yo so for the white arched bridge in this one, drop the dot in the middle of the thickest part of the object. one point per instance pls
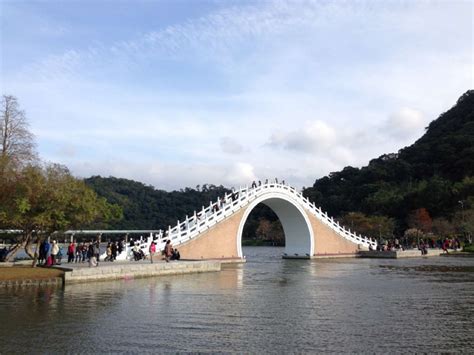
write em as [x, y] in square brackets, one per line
[215, 232]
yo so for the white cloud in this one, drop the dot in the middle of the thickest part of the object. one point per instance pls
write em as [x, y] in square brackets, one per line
[406, 122]
[294, 90]
[315, 136]
[169, 176]
[230, 146]
[240, 173]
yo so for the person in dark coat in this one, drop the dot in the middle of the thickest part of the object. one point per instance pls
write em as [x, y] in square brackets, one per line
[42, 253]
[114, 250]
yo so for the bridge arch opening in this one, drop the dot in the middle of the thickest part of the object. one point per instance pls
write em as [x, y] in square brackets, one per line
[299, 241]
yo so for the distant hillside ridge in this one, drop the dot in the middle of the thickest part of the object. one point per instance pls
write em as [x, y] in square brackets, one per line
[145, 207]
[435, 173]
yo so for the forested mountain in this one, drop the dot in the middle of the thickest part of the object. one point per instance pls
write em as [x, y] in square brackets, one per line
[436, 174]
[428, 187]
[145, 207]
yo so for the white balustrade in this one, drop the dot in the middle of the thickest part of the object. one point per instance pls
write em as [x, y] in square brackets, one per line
[233, 202]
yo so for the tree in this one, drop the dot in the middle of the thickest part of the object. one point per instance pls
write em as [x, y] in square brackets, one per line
[420, 219]
[47, 200]
[464, 222]
[412, 235]
[277, 235]
[442, 227]
[370, 226]
[17, 144]
[264, 229]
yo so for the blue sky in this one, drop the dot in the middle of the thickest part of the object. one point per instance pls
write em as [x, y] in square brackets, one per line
[180, 93]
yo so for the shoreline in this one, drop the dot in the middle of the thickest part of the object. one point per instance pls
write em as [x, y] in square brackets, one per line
[60, 275]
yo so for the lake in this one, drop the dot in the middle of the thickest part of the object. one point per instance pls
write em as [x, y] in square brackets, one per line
[266, 305]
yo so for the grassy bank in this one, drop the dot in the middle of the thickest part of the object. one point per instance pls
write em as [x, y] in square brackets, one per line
[28, 273]
[468, 248]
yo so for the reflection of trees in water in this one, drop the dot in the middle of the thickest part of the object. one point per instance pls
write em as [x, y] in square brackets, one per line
[24, 307]
[263, 226]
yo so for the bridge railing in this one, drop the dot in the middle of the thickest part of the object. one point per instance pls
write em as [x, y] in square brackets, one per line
[233, 202]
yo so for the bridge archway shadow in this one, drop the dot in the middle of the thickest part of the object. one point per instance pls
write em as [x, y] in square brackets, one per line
[263, 228]
[298, 233]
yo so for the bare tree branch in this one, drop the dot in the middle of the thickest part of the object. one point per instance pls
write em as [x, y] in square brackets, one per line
[16, 141]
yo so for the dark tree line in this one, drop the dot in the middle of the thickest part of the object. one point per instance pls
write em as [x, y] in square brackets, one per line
[145, 207]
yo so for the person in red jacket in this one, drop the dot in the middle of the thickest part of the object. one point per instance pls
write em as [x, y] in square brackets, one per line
[152, 251]
[71, 251]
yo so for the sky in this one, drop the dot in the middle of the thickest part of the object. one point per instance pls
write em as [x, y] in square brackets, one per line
[180, 93]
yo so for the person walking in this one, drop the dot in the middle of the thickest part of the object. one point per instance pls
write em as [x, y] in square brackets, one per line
[54, 252]
[114, 251]
[85, 251]
[42, 253]
[47, 253]
[120, 247]
[71, 251]
[79, 253]
[97, 252]
[108, 251]
[91, 255]
[152, 251]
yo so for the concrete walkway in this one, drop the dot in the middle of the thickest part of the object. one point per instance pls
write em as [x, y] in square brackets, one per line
[81, 272]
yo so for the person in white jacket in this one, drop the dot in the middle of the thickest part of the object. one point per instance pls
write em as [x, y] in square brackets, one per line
[54, 251]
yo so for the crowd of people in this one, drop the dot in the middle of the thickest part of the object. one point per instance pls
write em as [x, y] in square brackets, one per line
[168, 253]
[84, 252]
[113, 249]
[422, 244]
[255, 184]
[50, 253]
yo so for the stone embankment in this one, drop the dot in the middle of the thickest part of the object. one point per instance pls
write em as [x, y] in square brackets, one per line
[396, 254]
[76, 273]
[117, 271]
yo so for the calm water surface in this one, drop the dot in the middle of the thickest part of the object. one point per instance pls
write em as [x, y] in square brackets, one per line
[266, 305]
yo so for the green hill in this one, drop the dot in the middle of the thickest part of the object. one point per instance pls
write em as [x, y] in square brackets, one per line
[145, 207]
[436, 173]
